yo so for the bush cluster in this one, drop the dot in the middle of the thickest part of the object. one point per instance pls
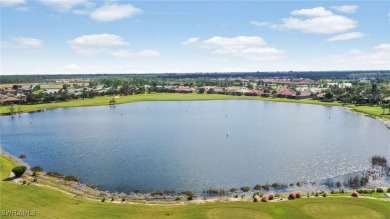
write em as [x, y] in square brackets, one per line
[214, 191]
[55, 174]
[379, 161]
[19, 170]
[245, 188]
[233, 190]
[292, 195]
[158, 192]
[37, 169]
[256, 198]
[71, 178]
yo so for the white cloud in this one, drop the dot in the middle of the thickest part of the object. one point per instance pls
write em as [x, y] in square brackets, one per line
[346, 36]
[96, 43]
[190, 41]
[383, 47]
[378, 58]
[346, 8]
[64, 5]
[70, 67]
[319, 21]
[260, 24]
[313, 12]
[10, 3]
[114, 12]
[26, 43]
[250, 47]
[104, 43]
[99, 40]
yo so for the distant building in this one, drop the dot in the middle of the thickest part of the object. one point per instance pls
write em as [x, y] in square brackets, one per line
[340, 85]
[285, 92]
[11, 100]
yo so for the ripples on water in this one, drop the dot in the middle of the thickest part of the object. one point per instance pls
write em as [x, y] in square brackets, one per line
[197, 144]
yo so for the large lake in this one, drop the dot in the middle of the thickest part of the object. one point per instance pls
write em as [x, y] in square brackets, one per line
[196, 144]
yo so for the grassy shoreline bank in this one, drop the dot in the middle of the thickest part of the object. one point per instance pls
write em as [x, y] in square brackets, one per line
[104, 100]
[50, 203]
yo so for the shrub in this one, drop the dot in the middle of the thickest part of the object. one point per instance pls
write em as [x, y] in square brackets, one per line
[35, 180]
[112, 199]
[235, 196]
[19, 170]
[37, 169]
[123, 199]
[187, 193]
[34, 174]
[378, 161]
[24, 182]
[379, 190]
[103, 199]
[338, 184]
[158, 192]
[363, 181]
[388, 189]
[308, 194]
[233, 190]
[257, 187]
[270, 197]
[324, 195]
[178, 198]
[317, 194]
[54, 174]
[190, 197]
[292, 195]
[245, 188]
[256, 198]
[71, 178]
[22, 156]
[355, 194]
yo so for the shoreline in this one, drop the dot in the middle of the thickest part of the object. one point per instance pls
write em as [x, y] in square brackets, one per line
[102, 101]
[82, 190]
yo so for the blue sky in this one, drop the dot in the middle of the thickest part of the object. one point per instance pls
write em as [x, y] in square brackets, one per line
[86, 36]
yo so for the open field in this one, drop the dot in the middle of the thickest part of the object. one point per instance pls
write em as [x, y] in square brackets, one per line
[48, 203]
[104, 100]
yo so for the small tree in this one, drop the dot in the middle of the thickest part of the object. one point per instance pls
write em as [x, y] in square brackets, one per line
[37, 169]
[328, 96]
[19, 170]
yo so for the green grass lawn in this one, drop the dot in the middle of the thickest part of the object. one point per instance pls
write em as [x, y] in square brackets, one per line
[48, 203]
[104, 100]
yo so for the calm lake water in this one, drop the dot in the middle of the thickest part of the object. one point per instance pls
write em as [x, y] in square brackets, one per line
[196, 144]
